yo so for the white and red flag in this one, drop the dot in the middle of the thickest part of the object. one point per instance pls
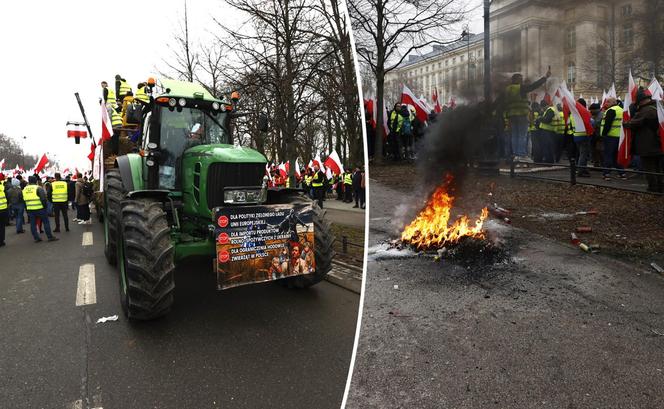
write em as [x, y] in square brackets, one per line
[436, 102]
[319, 162]
[656, 90]
[386, 128]
[579, 113]
[407, 97]
[106, 126]
[2, 164]
[267, 172]
[41, 164]
[660, 119]
[91, 155]
[333, 163]
[75, 130]
[283, 169]
[371, 104]
[297, 168]
[625, 143]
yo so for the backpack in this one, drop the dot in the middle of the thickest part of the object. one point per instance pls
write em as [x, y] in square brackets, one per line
[406, 127]
[87, 190]
[134, 113]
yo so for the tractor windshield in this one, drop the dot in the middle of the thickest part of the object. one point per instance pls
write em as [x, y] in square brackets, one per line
[183, 130]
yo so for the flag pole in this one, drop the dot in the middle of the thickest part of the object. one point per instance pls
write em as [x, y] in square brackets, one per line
[85, 119]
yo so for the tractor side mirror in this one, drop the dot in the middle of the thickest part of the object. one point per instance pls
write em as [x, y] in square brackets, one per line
[262, 122]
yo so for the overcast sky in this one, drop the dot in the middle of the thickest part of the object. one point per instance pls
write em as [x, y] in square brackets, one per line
[51, 49]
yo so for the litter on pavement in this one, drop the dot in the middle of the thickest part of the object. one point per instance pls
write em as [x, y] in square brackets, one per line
[110, 318]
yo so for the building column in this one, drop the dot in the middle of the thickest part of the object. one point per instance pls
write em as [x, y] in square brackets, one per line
[524, 52]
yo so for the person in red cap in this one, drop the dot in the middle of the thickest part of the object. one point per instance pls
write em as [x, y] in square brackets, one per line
[645, 138]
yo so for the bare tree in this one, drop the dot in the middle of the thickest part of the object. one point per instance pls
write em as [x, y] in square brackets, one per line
[648, 26]
[386, 31]
[12, 152]
[184, 58]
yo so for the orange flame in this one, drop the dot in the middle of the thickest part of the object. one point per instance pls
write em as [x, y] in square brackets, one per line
[430, 228]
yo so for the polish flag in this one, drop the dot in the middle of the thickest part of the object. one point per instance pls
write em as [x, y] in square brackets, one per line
[386, 129]
[407, 97]
[319, 162]
[436, 103]
[283, 169]
[41, 164]
[297, 168]
[370, 104]
[91, 155]
[267, 172]
[625, 143]
[310, 165]
[106, 127]
[612, 92]
[333, 163]
[660, 119]
[2, 164]
[656, 90]
[579, 113]
[75, 130]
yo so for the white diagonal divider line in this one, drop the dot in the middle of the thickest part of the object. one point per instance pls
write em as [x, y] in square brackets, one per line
[86, 292]
[87, 239]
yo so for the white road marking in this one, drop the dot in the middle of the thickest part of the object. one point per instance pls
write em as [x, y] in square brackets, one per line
[87, 239]
[86, 292]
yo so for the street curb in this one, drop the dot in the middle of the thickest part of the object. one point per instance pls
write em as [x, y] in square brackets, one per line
[345, 276]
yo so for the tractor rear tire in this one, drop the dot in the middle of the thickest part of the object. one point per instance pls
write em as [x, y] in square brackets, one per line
[113, 194]
[147, 257]
[323, 252]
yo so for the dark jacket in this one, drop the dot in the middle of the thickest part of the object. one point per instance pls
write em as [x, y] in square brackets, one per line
[81, 199]
[644, 126]
[357, 180]
[14, 195]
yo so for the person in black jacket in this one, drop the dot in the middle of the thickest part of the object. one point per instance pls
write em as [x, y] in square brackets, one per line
[645, 139]
[357, 182]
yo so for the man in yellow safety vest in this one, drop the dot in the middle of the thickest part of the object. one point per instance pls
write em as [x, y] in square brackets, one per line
[517, 109]
[348, 187]
[34, 197]
[317, 184]
[109, 96]
[610, 131]
[59, 195]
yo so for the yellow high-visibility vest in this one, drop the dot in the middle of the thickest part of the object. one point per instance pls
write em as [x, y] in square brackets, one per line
[3, 199]
[617, 122]
[561, 123]
[533, 119]
[516, 104]
[116, 119]
[31, 198]
[553, 125]
[348, 179]
[59, 191]
[124, 88]
[141, 95]
[110, 99]
[317, 180]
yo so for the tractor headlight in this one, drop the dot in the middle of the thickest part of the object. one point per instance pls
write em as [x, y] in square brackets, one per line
[172, 102]
[242, 196]
[215, 106]
[182, 102]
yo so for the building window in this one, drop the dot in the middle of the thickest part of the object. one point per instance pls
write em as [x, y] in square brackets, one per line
[626, 10]
[571, 38]
[447, 63]
[628, 34]
[479, 54]
[571, 73]
[461, 58]
[454, 60]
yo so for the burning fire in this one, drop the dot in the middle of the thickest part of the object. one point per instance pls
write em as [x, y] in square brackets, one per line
[430, 228]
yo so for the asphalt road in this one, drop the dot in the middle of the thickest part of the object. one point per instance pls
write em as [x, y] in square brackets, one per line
[260, 346]
[553, 328]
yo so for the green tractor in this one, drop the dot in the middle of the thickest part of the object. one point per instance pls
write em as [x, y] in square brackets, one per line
[188, 191]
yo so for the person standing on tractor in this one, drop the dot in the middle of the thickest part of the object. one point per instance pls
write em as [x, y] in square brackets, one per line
[59, 196]
[317, 183]
[34, 197]
[122, 89]
[141, 93]
[109, 96]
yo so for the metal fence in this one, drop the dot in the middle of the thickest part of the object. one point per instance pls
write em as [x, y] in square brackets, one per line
[543, 171]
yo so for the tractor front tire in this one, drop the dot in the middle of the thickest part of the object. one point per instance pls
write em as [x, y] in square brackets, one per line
[113, 193]
[147, 256]
[323, 252]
